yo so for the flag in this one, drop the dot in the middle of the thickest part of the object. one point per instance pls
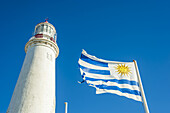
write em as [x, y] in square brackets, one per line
[110, 76]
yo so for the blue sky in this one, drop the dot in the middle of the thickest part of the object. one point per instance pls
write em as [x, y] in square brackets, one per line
[110, 29]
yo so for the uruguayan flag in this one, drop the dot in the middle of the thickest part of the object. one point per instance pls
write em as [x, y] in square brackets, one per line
[110, 76]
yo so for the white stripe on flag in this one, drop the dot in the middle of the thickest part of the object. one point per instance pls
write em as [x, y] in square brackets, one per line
[105, 77]
[134, 87]
[135, 97]
[91, 66]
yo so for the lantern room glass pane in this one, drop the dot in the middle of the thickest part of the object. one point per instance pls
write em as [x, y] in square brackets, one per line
[46, 28]
[49, 29]
[42, 27]
[37, 29]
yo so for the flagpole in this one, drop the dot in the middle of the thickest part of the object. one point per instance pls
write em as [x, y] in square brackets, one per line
[66, 106]
[141, 89]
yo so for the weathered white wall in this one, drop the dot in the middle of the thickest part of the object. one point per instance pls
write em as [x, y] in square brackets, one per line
[35, 88]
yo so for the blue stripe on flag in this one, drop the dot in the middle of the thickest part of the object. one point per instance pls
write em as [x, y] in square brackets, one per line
[102, 72]
[123, 90]
[122, 81]
[94, 62]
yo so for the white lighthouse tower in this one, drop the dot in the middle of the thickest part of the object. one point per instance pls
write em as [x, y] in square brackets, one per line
[35, 88]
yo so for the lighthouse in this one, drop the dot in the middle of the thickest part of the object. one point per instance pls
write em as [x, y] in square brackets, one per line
[35, 89]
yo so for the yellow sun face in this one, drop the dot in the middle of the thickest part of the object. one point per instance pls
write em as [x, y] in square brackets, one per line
[123, 70]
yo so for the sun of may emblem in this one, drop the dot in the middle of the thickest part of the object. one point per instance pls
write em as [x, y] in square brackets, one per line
[123, 69]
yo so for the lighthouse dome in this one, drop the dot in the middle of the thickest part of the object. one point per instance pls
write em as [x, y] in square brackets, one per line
[45, 30]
